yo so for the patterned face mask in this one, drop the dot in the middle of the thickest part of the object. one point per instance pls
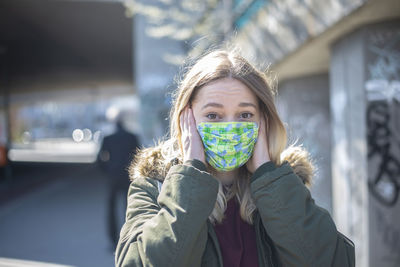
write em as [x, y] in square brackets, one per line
[228, 145]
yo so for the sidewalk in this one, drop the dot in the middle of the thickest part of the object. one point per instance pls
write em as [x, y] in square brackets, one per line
[62, 222]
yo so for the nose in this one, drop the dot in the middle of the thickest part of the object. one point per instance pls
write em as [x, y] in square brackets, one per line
[229, 118]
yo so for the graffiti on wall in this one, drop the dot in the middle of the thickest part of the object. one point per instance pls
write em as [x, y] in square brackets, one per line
[384, 186]
[383, 112]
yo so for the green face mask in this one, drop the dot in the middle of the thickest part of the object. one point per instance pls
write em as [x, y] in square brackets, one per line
[228, 145]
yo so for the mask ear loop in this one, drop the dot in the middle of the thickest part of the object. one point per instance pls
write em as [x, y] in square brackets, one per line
[263, 117]
[266, 126]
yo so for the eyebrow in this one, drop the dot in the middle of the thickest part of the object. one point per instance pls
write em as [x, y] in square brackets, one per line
[212, 104]
[246, 104]
[242, 104]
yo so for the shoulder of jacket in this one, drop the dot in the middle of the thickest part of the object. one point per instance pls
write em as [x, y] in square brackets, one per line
[144, 182]
[151, 163]
[300, 162]
[144, 186]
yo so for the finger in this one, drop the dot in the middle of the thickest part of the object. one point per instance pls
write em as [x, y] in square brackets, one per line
[185, 124]
[265, 131]
[181, 119]
[263, 125]
[192, 121]
[260, 126]
[188, 124]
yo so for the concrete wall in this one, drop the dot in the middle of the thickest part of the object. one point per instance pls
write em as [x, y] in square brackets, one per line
[303, 104]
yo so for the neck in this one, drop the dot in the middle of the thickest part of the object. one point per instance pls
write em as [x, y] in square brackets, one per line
[227, 178]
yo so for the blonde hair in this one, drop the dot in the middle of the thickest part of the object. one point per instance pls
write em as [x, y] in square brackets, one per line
[218, 65]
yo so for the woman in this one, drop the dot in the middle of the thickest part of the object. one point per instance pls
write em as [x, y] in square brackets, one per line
[222, 190]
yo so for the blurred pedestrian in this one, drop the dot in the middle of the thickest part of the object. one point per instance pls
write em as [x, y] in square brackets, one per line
[116, 152]
[223, 189]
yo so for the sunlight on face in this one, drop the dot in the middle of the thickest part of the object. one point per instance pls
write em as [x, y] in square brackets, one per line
[225, 100]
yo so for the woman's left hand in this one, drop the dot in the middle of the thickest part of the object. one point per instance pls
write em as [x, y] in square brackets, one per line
[261, 152]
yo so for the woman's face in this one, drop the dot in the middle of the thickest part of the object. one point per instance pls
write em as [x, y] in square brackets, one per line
[225, 100]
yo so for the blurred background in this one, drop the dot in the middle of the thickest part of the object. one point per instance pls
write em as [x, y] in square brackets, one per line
[73, 72]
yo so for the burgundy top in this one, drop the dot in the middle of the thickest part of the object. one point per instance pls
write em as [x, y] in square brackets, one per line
[237, 238]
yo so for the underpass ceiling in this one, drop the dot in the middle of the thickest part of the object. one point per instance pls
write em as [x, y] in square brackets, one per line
[77, 37]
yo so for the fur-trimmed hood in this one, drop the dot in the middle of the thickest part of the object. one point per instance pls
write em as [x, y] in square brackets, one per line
[150, 162]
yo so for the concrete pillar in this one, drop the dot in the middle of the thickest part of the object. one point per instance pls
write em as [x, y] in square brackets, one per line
[303, 104]
[153, 79]
[382, 87]
[365, 108]
[349, 146]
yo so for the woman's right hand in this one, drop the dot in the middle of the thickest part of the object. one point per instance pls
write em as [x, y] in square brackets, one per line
[190, 138]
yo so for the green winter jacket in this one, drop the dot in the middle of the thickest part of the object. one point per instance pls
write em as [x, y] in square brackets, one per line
[168, 225]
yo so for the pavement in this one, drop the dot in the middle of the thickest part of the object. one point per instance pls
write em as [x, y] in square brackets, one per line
[59, 220]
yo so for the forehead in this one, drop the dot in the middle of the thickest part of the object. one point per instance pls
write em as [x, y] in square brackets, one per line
[225, 90]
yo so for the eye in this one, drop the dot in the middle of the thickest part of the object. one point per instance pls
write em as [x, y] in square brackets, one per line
[211, 116]
[246, 115]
